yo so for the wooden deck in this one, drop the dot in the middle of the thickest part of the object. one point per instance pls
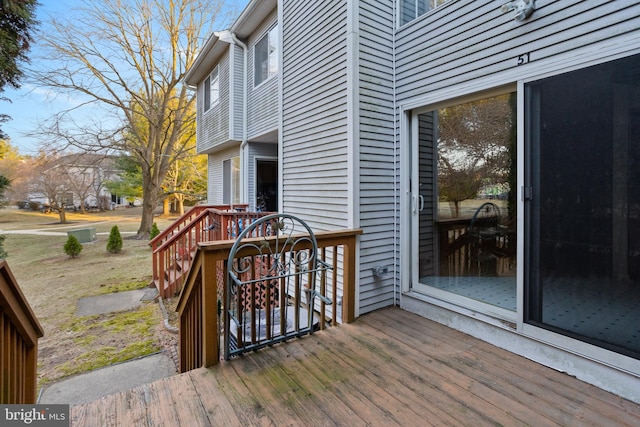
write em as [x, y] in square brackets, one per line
[388, 368]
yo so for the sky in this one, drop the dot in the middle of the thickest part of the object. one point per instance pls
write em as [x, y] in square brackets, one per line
[31, 105]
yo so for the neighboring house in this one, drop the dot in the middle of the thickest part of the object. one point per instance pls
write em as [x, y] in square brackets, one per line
[79, 179]
[404, 117]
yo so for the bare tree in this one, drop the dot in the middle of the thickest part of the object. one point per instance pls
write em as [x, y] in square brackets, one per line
[186, 180]
[186, 177]
[473, 148]
[85, 177]
[52, 183]
[129, 58]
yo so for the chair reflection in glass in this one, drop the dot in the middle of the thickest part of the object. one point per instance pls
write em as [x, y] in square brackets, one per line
[489, 245]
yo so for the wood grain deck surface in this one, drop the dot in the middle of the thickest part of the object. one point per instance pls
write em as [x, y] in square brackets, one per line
[388, 368]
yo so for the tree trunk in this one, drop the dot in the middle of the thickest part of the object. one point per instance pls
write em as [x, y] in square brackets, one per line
[180, 205]
[165, 207]
[149, 204]
[63, 216]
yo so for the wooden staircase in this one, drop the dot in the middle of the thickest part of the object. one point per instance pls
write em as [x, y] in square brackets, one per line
[174, 248]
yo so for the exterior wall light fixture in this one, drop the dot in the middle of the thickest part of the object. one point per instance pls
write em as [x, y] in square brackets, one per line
[523, 8]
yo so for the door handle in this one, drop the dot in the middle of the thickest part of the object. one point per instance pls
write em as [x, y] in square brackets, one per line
[421, 203]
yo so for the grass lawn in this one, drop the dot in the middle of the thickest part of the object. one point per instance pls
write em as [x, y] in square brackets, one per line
[53, 283]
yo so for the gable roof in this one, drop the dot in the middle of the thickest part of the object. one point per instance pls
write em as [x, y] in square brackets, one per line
[250, 18]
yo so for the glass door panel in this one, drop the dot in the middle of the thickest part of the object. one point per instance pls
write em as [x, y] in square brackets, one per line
[464, 170]
[583, 278]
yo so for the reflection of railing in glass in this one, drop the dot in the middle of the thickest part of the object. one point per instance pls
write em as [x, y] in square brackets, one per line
[489, 241]
[483, 245]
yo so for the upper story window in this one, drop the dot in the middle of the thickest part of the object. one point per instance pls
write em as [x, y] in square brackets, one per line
[211, 90]
[411, 9]
[266, 56]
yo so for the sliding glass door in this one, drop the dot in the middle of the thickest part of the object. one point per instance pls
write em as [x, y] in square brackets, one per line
[463, 178]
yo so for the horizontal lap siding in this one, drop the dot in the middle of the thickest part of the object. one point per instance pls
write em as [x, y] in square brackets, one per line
[214, 173]
[315, 119]
[473, 41]
[377, 153]
[239, 78]
[213, 125]
[263, 108]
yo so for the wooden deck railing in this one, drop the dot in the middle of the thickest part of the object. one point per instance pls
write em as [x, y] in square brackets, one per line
[460, 249]
[20, 331]
[173, 249]
[199, 304]
[454, 246]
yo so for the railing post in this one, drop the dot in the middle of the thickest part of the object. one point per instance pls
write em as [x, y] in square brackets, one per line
[349, 284]
[210, 339]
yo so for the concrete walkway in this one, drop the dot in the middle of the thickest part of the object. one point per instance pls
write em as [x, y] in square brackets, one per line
[111, 379]
[119, 301]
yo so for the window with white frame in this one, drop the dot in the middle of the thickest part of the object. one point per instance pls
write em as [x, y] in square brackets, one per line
[412, 9]
[266, 56]
[231, 180]
[211, 90]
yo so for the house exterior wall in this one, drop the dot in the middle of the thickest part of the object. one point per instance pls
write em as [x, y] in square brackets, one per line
[213, 126]
[472, 44]
[347, 79]
[263, 111]
[315, 116]
[214, 173]
[236, 91]
[377, 153]
[467, 47]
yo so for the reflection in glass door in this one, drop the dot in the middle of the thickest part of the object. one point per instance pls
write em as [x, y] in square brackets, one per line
[464, 173]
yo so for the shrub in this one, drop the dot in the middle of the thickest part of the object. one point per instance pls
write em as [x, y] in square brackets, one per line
[114, 245]
[154, 231]
[73, 247]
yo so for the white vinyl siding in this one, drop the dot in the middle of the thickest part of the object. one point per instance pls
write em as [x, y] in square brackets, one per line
[213, 124]
[262, 100]
[377, 153]
[238, 80]
[467, 42]
[315, 116]
[215, 189]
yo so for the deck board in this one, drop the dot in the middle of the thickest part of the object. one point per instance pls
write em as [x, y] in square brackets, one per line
[388, 368]
[490, 389]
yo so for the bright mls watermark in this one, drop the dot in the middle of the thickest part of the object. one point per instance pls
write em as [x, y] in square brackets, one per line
[34, 415]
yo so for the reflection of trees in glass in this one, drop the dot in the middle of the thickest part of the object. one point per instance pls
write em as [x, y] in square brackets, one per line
[474, 142]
